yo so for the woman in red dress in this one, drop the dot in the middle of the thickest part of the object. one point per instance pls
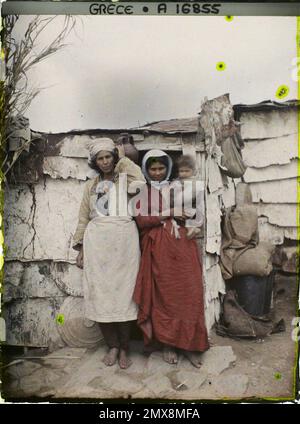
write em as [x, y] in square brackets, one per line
[169, 289]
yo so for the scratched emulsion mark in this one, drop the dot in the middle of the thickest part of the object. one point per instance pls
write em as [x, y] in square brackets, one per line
[60, 319]
[296, 373]
[1, 245]
[277, 375]
[2, 330]
[282, 91]
[220, 66]
[229, 18]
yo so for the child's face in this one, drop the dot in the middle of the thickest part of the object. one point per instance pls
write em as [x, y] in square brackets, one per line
[185, 172]
[157, 171]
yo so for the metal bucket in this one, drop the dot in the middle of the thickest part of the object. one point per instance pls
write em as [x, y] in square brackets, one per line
[254, 293]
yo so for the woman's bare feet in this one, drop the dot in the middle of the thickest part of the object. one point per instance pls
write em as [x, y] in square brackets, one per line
[111, 357]
[193, 357]
[124, 361]
[170, 355]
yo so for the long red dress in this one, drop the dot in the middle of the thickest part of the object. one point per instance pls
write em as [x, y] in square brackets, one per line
[169, 288]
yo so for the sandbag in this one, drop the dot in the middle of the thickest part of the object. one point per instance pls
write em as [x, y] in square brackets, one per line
[244, 223]
[243, 194]
[239, 233]
[255, 261]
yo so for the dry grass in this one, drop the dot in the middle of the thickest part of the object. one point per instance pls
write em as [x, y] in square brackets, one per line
[16, 94]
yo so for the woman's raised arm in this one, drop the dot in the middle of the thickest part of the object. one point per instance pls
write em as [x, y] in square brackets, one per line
[133, 171]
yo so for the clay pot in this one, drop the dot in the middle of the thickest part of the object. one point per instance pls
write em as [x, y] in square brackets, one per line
[131, 152]
[75, 329]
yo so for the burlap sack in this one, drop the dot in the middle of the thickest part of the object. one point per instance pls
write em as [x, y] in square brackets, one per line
[239, 233]
[235, 322]
[255, 261]
[243, 194]
[232, 158]
[244, 223]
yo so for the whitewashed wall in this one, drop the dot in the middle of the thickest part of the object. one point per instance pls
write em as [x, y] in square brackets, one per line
[272, 155]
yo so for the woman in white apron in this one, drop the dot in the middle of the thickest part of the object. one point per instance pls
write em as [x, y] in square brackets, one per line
[108, 243]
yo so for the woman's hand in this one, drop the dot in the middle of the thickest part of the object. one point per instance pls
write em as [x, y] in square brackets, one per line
[192, 232]
[79, 259]
[121, 150]
[178, 214]
[174, 213]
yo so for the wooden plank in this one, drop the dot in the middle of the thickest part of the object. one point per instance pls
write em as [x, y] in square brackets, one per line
[275, 234]
[273, 172]
[270, 233]
[212, 314]
[283, 215]
[189, 148]
[200, 157]
[280, 191]
[159, 138]
[168, 147]
[269, 124]
[215, 181]
[228, 194]
[214, 283]
[213, 244]
[211, 260]
[276, 151]
[213, 215]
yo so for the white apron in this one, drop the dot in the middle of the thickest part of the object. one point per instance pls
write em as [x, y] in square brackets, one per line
[111, 263]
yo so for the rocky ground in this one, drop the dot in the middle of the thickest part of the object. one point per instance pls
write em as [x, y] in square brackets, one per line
[232, 369]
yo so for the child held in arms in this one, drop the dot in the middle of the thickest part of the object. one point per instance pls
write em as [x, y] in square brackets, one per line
[187, 193]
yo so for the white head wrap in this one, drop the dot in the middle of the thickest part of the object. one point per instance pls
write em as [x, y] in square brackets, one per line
[98, 144]
[155, 153]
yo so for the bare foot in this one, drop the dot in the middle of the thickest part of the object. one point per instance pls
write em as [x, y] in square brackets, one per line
[170, 355]
[111, 357]
[193, 357]
[124, 361]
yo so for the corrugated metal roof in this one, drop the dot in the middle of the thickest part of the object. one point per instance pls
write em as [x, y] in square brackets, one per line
[190, 125]
[185, 125]
[172, 126]
[266, 105]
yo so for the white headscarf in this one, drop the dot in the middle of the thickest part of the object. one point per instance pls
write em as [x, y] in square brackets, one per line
[98, 144]
[155, 153]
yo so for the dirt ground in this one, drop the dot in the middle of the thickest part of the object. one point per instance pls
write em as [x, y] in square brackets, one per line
[232, 369]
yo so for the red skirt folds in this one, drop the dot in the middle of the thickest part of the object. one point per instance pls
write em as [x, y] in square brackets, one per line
[169, 288]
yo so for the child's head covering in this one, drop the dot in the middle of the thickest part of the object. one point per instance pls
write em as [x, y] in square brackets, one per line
[155, 154]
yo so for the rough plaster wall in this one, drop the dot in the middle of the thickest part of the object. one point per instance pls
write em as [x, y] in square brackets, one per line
[31, 302]
[61, 167]
[44, 217]
[40, 271]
